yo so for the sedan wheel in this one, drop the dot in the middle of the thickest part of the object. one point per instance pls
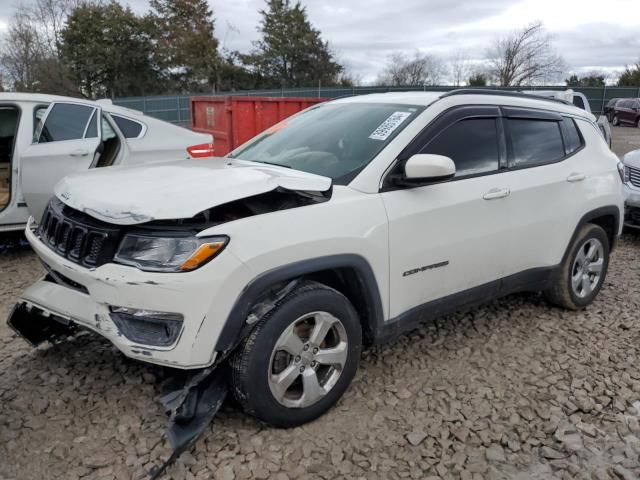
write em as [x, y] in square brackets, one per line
[615, 121]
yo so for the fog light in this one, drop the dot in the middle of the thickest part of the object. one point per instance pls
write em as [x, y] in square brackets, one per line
[147, 327]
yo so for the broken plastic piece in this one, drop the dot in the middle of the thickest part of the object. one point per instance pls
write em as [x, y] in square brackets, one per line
[191, 409]
[36, 325]
[269, 302]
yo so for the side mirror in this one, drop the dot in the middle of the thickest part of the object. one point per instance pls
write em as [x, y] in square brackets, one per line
[425, 168]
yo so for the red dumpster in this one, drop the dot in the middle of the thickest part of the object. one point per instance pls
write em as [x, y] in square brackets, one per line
[234, 120]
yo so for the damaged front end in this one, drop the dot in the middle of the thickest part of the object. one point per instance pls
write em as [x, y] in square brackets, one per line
[194, 396]
[104, 252]
[191, 406]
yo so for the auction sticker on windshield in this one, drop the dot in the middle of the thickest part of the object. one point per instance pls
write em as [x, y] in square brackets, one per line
[387, 127]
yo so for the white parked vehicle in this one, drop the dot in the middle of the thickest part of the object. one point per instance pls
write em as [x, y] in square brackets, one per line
[579, 100]
[631, 180]
[343, 226]
[44, 138]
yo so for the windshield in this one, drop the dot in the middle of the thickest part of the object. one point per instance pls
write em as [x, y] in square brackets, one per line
[333, 140]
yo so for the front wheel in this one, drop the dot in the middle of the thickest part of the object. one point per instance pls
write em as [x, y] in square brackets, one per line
[583, 271]
[300, 358]
[615, 121]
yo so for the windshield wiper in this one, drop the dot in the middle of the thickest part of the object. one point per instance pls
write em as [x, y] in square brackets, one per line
[272, 163]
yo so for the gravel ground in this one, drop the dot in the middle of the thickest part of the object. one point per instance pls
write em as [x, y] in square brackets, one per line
[515, 390]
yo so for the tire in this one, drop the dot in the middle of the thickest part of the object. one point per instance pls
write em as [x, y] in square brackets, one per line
[283, 341]
[616, 121]
[578, 282]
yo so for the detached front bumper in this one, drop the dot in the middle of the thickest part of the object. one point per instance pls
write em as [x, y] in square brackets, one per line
[99, 299]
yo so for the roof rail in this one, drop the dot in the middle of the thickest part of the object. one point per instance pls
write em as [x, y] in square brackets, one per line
[501, 93]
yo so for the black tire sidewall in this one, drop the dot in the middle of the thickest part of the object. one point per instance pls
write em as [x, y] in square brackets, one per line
[592, 231]
[615, 121]
[259, 399]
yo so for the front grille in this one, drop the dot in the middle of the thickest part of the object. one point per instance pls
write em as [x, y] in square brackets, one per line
[77, 236]
[634, 176]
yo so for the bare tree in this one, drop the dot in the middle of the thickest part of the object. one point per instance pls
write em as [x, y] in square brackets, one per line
[421, 69]
[524, 57]
[21, 52]
[460, 67]
[49, 17]
[29, 51]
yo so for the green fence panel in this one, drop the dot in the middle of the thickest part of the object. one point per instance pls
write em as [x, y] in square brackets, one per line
[175, 108]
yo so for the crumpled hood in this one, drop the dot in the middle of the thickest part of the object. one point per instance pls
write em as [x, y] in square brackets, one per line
[632, 159]
[175, 190]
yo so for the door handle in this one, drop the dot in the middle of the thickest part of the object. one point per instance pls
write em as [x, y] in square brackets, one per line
[496, 193]
[576, 177]
[79, 153]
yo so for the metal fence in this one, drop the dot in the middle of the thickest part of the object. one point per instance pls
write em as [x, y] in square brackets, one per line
[175, 108]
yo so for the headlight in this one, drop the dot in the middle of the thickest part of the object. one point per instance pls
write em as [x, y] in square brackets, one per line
[168, 254]
[623, 170]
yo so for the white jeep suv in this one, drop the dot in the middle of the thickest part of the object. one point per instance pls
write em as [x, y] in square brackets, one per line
[342, 226]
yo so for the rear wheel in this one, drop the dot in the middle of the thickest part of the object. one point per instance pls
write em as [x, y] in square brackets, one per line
[583, 271]
[300, 358]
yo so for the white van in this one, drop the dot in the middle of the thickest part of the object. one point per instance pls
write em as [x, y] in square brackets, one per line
[43, 138]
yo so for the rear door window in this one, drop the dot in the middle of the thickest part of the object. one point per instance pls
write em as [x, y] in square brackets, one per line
[65, 121]
[472, 144]
[129, 128]
[534, 142]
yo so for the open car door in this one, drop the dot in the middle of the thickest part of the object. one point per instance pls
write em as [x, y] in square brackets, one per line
[66, 140]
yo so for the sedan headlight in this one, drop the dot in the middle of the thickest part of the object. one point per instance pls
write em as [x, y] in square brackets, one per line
[168, 254]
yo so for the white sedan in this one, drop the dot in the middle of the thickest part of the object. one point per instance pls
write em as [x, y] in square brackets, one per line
[44, 138]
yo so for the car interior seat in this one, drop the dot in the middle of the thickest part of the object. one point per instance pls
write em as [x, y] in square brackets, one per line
[8, 127]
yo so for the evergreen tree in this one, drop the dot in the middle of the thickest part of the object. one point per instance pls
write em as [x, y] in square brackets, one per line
[107, 50]
[185, 45]
[630, 77]
[591, 80]
[477, 80]
[291, 52]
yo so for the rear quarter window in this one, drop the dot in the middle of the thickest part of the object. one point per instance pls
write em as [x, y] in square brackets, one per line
[578, 102]
[572, 139]
[129, 128]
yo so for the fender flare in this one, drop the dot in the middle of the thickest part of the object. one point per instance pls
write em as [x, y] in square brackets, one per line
[234, 329]
[588, 217]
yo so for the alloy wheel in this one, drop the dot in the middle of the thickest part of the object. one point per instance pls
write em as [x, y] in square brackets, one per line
[307, 359]
[586, 273]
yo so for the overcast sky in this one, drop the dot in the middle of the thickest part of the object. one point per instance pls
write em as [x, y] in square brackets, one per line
[602, 35]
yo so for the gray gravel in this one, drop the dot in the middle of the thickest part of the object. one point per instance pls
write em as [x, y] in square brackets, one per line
[515, 390]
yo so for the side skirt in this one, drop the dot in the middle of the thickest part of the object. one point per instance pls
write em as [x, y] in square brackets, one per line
[530, 280]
